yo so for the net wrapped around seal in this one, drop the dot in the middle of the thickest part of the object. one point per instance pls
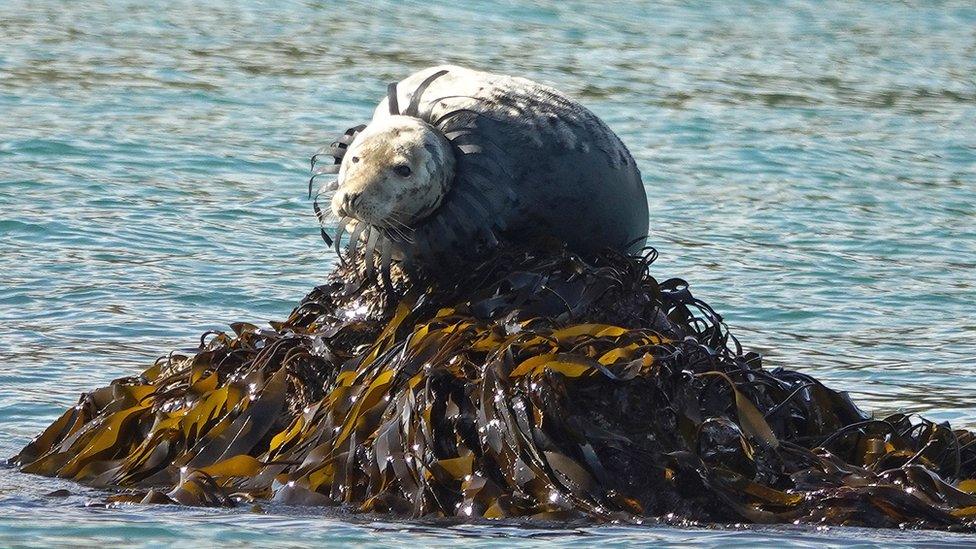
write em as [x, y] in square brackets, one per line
[540, 386]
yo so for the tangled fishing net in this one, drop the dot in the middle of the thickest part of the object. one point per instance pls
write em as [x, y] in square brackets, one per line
[539, 385]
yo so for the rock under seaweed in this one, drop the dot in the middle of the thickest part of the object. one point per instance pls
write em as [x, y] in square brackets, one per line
[538, 385]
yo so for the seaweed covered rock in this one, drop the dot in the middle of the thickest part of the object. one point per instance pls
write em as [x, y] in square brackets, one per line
[541, 385]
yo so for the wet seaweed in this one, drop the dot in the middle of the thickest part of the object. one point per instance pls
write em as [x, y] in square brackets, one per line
[537, 385]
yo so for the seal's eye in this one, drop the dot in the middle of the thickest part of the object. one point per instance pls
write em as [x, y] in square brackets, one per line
[355, 159]
[402, 170]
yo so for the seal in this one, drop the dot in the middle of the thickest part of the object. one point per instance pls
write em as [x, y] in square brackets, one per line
[479, 160]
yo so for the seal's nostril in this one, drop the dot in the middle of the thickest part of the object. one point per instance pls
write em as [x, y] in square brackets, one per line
[350, 199]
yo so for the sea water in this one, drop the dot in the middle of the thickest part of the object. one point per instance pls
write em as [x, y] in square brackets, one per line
[810, 168]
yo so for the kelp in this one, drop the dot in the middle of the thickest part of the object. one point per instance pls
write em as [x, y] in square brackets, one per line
[534, 385]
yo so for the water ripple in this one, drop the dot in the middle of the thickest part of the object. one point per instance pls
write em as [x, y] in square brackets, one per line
[811, 170]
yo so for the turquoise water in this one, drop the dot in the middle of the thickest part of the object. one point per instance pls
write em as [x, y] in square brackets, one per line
[811, 169]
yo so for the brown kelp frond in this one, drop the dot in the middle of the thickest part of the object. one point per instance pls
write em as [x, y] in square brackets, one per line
[535, 384]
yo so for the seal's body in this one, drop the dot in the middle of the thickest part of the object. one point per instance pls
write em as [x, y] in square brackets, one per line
[488, 160]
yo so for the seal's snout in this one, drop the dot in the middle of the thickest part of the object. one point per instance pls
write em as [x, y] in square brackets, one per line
[344, 203]
[349, 200]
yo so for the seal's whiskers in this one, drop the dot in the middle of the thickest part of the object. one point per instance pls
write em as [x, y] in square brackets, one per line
[400, 229]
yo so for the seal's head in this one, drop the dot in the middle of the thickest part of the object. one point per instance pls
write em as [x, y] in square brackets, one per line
[394, 173]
